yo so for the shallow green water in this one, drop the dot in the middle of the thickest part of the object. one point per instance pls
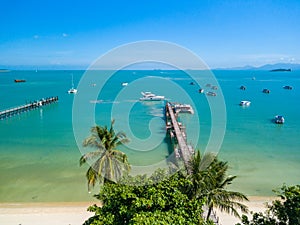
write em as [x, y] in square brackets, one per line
[39, 154]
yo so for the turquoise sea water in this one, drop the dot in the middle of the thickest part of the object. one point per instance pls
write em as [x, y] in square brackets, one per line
[39, 153]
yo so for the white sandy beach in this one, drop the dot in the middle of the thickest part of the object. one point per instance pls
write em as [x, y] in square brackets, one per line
[255, 204]
[76, 214]
[44, 213]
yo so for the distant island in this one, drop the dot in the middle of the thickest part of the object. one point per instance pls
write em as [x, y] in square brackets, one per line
[268, 67]
[281, 70]
[4, 70]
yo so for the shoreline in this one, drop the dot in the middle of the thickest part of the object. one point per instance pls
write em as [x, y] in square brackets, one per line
[75, 213]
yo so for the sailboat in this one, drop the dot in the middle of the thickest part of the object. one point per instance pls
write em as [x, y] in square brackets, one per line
[72, 90]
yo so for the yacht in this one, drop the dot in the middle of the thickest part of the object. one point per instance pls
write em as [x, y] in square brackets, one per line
[72, 90]
[279, 119]
[148, 96]
[245, 103]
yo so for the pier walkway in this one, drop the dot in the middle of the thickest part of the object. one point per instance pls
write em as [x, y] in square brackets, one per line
[27, 107]
[178, 135]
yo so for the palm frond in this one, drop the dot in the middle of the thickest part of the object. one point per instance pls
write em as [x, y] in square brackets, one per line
[93, 142]
[91, 177]
[89, 156]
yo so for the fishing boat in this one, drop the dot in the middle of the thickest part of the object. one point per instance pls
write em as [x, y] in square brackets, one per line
[267, 91]
[243, 87]
[19, 81]
[288, 87]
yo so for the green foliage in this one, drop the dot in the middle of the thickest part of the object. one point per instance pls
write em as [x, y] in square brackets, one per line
[285, 211]
[165, 202]
[163, 199]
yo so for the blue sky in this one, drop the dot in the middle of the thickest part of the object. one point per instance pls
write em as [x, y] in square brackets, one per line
[223, 33]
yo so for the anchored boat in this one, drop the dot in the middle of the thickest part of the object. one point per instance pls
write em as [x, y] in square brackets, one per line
[279, 119]
[148, 96]
[245, 103]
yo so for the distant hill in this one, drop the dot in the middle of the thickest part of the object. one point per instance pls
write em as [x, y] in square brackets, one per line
[284, 66]
[280, 66]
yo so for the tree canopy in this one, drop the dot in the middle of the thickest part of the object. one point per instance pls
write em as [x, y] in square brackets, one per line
[284, 211]
[142, 200]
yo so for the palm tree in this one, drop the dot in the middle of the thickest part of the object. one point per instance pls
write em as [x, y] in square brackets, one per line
[217, 194]
[198, 170]
[209, 181]
[106, 162]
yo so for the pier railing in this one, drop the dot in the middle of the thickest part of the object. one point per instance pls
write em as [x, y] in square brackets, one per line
[27, 107]
[178, 135]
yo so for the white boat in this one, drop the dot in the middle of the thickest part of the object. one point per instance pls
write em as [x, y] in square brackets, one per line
[245, 103]
[148, 96]
[210, 93]
[279, 119]
[124, 84]
[72, 90]
[183, 108]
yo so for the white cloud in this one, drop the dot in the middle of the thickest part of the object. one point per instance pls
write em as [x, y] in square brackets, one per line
[65, 35]
[36, 36]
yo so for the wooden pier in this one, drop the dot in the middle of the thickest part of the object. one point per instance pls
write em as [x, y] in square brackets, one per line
[177, 134]
[27, 107]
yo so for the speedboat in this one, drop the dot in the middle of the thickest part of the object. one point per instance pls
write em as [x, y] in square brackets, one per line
[201, 90]
[267, 91]
[183, 108]
[288, 87]
[124, 84]
[245, 103]
[210, 93]
[279, 119]
[148, 96]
